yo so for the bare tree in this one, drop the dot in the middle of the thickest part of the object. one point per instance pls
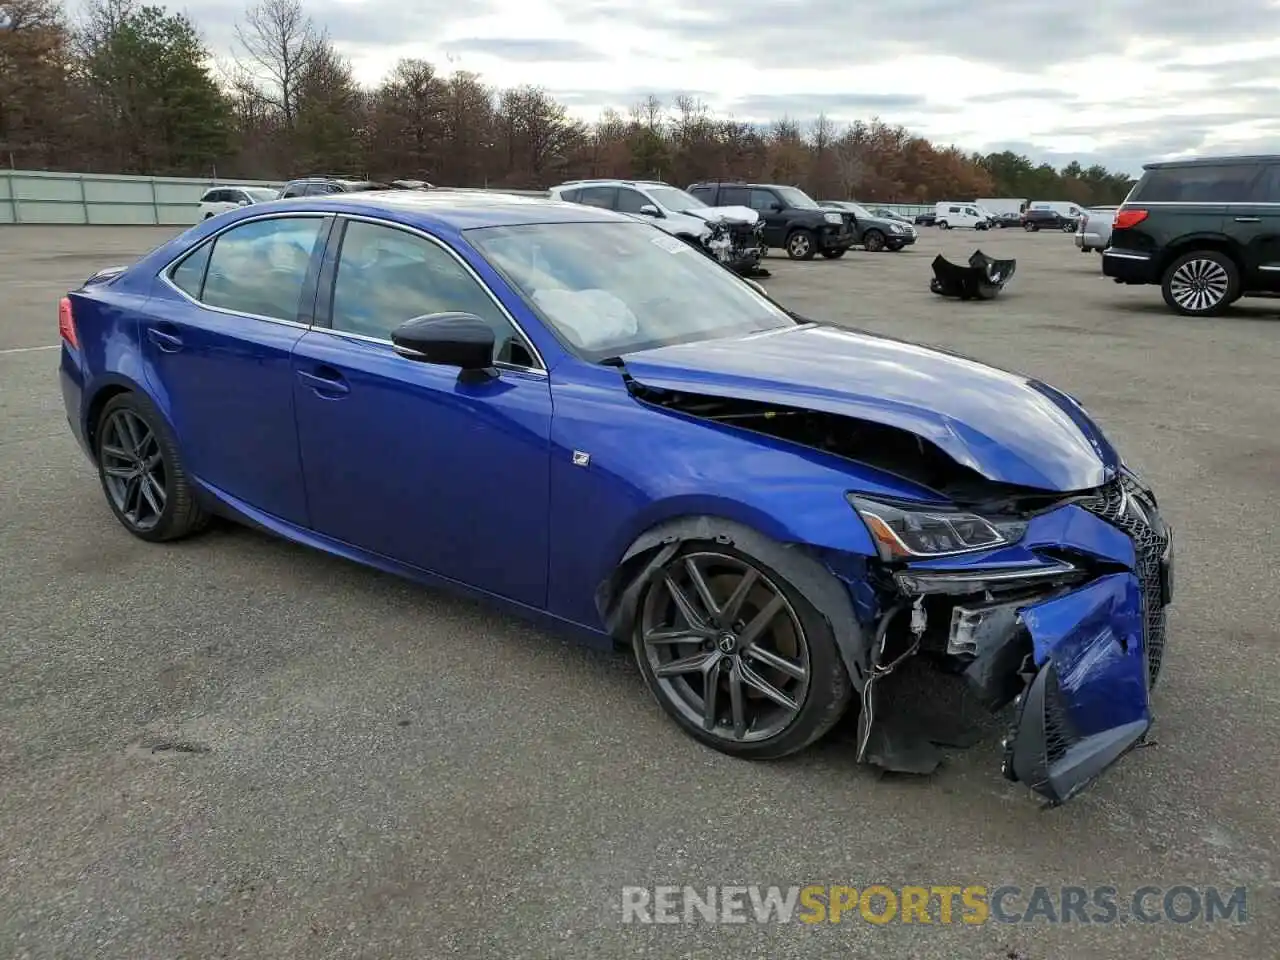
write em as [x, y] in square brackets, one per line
[279, 44]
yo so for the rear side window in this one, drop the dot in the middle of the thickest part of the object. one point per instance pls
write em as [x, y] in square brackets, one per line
[598, 196]
[293, 190]
[570, 195]
[260, 267]
[1201, 183]
[188, 275]
[735, 197]
[211, 196]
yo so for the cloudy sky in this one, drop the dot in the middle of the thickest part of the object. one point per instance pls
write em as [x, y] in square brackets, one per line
[1118, 82]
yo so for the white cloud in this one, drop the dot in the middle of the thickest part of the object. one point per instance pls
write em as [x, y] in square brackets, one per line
[1117, 83]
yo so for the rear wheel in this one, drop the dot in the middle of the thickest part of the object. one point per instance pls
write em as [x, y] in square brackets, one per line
[943, 225]
[737, 656]
[1201, 283]
[142, 472]
[801, 245]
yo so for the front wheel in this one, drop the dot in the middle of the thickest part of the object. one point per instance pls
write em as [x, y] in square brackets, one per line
[737, 656]
[142, 471]
[801, 245]
[1201, 283]
[873, 240]
[833, 253]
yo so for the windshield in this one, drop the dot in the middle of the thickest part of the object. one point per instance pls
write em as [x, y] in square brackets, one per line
[674, 199]
[261, 193]
[608, 289]
[794, 197]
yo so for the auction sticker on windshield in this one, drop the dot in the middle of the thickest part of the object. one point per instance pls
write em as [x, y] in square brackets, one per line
[669, 243]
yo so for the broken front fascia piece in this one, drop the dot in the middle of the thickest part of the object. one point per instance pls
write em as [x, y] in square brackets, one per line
[985, 633]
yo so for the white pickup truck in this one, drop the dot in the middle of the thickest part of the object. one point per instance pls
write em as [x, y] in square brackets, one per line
[1093, 229]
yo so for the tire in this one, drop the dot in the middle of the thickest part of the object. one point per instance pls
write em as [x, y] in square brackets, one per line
[1201, 283]
[834, 253]
[208, 215]
[1068, 228]
[797, 636]
[943, 225]
[873, 240]
[130, 424]
[801, 245]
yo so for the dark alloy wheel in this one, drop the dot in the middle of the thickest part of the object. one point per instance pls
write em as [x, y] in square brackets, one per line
[873, 240]
[737, 657]
[801, 245]
[142, 473]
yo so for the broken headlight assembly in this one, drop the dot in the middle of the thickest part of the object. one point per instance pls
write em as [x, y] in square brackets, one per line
[903, 531]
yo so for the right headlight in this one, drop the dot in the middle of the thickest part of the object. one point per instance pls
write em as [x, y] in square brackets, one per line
[905, 532]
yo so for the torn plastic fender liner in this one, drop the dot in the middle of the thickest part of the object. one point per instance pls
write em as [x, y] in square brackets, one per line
[618, 596]
[1088, 703]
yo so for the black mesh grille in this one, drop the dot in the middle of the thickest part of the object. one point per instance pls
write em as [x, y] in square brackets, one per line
[1125, 504]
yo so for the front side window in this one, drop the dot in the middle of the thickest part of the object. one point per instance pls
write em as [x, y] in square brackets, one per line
[673, 199]
[387, 276]
[763, 200]
[630, 201]
[1198, 183]
[613, 288]
[260, 267]
[794, 197]
[702, 193]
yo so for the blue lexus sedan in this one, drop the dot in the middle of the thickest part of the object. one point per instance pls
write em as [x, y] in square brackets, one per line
[571, 413]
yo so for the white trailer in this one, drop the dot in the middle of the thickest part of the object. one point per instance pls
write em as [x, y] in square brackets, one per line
[1002, 205]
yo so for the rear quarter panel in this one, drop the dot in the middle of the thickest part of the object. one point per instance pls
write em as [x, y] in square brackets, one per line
[107, 324]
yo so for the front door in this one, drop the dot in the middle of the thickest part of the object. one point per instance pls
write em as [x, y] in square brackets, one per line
[403, 459]
[217, 336]
[1256, 225]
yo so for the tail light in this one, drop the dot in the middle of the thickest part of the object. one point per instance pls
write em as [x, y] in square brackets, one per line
[67, 323]
[1125, 219]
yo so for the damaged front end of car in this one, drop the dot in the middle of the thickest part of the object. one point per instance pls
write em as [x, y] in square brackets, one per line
[1048, 606]
[1056, 611]
[737, 243]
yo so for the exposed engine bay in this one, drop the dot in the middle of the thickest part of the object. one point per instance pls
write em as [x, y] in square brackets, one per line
[735, 239]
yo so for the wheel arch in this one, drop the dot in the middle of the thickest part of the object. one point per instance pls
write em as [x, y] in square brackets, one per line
[618, 595]
[101, 395]
[1219, 243]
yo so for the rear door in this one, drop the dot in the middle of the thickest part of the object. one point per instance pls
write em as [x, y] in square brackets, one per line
[604, 197]
[217, 336]
[1256, 223]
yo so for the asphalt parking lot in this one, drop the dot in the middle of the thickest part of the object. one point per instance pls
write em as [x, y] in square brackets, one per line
[234, 746]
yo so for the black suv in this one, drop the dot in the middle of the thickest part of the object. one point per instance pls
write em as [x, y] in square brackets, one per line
[1035, 220]
[315, 186]
[792, 219]
[1207, 231]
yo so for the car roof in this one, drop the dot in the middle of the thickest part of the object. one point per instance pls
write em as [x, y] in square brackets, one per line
[1199, 161]
[456, 209]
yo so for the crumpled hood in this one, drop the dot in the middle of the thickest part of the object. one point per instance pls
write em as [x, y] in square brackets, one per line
[1008, 428]
[728, 214]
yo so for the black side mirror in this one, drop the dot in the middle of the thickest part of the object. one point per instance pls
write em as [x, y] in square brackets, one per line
[776, 207]
[451, 339]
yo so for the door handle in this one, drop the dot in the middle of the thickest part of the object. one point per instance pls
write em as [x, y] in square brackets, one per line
[167, 342]
[328, 384]
[1248, 219]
